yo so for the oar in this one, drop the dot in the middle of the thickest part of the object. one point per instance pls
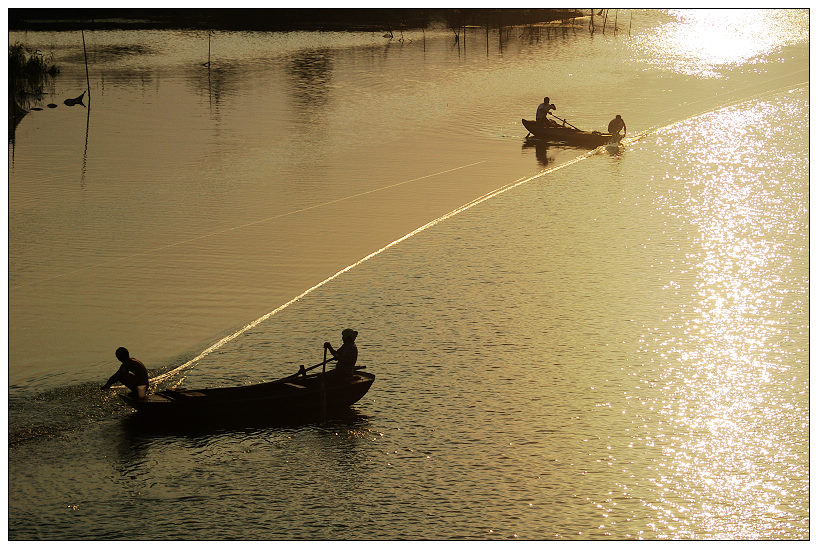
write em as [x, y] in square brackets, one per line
[324, 389]
[564, 121]
[323, 363]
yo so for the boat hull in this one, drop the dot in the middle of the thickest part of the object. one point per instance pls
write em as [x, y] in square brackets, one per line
[562, 134]
[278, 401]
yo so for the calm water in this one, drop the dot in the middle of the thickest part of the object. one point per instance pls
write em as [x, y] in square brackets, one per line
[577, 344]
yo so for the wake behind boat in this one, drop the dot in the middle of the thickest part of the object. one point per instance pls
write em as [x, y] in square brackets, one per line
[296, 396]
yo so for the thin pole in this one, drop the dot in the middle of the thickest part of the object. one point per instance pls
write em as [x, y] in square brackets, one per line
[88, 110]
[616, 18]
[85, 150]
[629, 24]
[87, 78]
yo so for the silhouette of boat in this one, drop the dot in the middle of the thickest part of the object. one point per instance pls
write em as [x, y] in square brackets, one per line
[296, 396]
[75, 101]
[570, 135]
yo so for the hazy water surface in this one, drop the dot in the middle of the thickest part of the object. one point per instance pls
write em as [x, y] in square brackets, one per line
[613, 344]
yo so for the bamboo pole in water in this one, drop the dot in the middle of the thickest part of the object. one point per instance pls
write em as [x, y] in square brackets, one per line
[616, 18]
[630, 24]
[85, 54]
[604, 21]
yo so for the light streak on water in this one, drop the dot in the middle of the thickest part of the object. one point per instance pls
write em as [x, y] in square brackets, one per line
[487, 196]
[461, 209]
[250, 224]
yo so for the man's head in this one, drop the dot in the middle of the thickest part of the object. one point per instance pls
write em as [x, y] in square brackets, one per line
[546, 100]
[349, 334]
[122, 354]
[619, 117]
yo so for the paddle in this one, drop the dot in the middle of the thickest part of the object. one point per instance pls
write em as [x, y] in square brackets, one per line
[323, 363]
[564, 121]
[324, 388]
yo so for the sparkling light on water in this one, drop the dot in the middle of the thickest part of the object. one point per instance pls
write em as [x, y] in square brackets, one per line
[701, 42]
[735, 400]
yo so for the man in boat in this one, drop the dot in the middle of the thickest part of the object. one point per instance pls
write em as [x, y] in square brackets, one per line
[132, 374]
[617, 125]
[347, 353]
[543, 110]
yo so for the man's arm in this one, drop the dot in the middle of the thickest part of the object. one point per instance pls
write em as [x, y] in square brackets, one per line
[113, 379]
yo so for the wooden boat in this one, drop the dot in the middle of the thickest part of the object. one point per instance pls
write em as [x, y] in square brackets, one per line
[75, 101]
[292, 397]
[570, 135]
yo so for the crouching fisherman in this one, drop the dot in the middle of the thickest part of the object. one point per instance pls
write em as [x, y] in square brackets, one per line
[617, 125]
[132, 374]
[347, 353]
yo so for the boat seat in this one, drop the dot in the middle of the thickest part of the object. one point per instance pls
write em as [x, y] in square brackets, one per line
[186, 394]
[156, 398]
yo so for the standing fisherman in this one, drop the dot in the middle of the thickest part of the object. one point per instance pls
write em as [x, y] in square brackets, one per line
[544, 109]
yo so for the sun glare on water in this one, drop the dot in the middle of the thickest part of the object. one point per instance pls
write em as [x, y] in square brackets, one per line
[702, 42]
[734, 441]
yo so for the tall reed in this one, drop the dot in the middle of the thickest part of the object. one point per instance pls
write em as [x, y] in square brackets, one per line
[29, 71]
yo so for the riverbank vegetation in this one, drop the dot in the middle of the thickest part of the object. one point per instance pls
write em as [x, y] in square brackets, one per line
[29, 73]
[272, 19]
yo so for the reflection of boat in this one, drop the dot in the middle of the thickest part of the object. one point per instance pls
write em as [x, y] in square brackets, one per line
[291, 397]
[540, 147]
[573, 136]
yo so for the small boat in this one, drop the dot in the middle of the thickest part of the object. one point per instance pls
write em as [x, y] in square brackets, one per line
[296, 396]
[75, 101]
[570, 135]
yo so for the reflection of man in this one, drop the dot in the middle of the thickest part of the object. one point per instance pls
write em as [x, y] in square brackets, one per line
[617, 125]
[541, 152]
[132, 374]
[544, 109]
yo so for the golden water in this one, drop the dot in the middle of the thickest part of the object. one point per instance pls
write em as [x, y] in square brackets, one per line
[569, 345]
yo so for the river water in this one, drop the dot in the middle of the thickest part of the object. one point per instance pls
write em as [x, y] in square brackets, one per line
[568, 344]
